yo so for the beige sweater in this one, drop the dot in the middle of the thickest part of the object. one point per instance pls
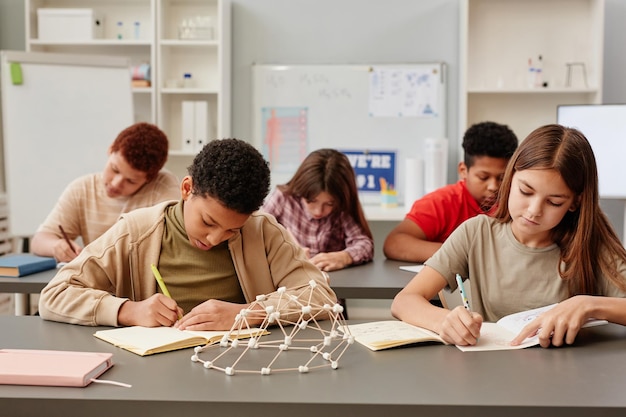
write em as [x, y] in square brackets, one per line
[85, 210]
[116, 267]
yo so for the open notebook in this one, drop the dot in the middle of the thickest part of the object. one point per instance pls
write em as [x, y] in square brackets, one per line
[52, 367]
[388, 334]
[149, 340]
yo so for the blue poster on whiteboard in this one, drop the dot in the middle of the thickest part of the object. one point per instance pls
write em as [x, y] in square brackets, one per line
[375, 170]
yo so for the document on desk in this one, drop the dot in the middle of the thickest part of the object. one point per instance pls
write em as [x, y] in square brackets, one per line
[412, 268]
[388, 334]
[498, 336]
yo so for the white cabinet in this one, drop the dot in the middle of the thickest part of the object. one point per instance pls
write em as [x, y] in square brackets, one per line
[173, 37]
[498, 38]
[193, 39]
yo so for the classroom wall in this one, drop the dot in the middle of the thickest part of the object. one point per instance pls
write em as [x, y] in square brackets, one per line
[356, 31]
[343, 32]
[614, 85]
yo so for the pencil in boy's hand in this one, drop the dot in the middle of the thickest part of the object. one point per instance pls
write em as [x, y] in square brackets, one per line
[459, 282]
[67, 239]
[161, 283]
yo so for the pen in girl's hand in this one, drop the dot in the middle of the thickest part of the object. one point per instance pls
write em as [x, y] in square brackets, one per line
[459, 282]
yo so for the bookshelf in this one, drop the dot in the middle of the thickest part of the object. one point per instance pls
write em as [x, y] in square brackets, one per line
[497, 40]
[173, 37]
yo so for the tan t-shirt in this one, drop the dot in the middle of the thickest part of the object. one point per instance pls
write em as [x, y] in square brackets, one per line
[505, 276]
[85, 210]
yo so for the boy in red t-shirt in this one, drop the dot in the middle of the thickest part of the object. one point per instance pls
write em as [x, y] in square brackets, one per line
[487, 146]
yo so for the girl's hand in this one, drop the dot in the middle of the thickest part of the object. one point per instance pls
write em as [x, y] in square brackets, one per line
[559, 325]
[331, 261]
[461, 327]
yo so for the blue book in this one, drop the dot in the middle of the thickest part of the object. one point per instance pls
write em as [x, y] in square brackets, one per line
[20, 264]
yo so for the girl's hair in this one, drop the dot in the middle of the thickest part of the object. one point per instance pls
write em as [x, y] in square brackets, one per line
[589, 246]
[328, 170]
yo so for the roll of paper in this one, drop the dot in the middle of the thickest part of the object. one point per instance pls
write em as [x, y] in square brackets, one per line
[435, 164]
[413, 181]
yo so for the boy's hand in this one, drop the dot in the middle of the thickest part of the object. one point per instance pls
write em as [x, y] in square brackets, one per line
[155, 311]
[213, 315]
[62, 252]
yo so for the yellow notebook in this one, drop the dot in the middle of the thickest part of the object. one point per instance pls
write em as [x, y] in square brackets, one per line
[149, 340]
[387, 334]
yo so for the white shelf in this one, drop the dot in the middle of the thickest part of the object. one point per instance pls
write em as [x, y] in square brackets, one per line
[182, 153]
[188, 91]
[94, 42]
[562, 90]
[142, 90]
[497, 40]
[190, 42]
[169, 58]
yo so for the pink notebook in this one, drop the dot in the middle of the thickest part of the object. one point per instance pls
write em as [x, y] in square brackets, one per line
[52, 367]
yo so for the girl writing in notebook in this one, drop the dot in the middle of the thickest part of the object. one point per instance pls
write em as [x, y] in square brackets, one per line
[320, 206]
[549, 242]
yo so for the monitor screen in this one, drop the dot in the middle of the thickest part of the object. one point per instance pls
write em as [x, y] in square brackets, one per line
[604, 126]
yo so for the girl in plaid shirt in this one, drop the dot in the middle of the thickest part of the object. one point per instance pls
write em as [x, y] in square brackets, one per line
[320, 206]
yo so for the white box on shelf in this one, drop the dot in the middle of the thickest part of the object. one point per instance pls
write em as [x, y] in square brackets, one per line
[55, 24]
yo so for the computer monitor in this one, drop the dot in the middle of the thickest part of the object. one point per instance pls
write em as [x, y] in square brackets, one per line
[604, 126]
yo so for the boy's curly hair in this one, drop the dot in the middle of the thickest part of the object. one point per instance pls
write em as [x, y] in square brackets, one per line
[144, 146]
[488, 139]
[233, 172]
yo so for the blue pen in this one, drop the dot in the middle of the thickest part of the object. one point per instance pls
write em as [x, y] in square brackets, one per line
[459, 282]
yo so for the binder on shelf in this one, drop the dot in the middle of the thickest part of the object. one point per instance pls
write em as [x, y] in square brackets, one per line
[188, 126]
[201, 124]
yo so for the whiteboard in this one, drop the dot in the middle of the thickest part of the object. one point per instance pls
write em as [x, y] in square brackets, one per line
[349, 107]
[604, 127]
[57, 125]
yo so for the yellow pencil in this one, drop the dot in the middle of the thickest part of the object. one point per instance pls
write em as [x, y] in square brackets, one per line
[159, 279]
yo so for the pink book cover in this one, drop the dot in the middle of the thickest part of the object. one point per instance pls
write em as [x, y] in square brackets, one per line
[52, 367]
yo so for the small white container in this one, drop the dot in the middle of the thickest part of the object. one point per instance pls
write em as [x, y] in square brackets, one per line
[69, 24]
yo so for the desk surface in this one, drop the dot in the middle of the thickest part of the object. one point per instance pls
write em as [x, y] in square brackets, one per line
[29, 284]
[585, 379]
[380, 279]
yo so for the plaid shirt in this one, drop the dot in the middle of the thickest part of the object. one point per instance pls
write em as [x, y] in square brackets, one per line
[333, 233]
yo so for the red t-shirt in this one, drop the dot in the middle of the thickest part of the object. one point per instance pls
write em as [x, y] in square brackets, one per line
[440, 212]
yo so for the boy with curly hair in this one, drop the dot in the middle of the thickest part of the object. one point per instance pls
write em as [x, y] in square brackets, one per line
[133, 177]
[214, 250]
[487, 147]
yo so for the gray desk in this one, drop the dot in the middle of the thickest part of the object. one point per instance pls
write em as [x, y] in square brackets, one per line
[23, 286]
[586, 379]
[29, 284]
[380, 279]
